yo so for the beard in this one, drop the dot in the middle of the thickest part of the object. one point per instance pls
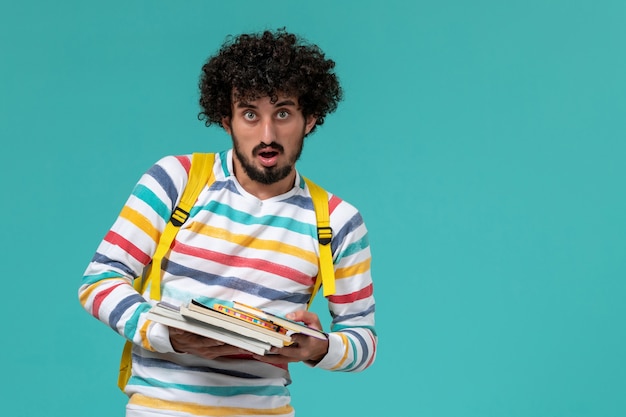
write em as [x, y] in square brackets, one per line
[267, 175]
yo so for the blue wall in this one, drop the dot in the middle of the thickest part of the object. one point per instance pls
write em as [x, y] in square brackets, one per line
[483, 141]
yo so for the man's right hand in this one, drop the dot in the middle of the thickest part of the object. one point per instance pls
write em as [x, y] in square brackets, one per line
[185, 342]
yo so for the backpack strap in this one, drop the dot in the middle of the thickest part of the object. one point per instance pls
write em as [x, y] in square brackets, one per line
[200, 174]
[326, 274]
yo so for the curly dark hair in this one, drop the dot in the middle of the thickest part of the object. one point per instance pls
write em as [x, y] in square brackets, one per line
[250, 66]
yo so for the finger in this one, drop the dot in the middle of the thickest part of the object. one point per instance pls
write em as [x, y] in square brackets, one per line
[175, 332]
[292, 352]
[273, 359]
[217, 351]
[211, 343]
[298, 315]
[298, 339]
[306, 317]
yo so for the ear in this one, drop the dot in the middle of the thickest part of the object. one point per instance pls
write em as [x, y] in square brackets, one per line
[310, 123]
[226, 124]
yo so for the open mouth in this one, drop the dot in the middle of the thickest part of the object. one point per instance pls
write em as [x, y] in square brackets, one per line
[268, 157]
[268, 154]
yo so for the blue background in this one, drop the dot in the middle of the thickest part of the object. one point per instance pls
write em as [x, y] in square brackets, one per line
[483, 142]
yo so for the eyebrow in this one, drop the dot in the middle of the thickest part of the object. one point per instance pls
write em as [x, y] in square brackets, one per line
[285, 103]
[246, 105]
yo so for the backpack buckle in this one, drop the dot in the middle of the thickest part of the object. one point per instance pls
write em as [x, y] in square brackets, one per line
[179, 216]
[324, 235]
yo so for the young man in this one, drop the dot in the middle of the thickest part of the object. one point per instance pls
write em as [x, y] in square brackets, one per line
[251, 237]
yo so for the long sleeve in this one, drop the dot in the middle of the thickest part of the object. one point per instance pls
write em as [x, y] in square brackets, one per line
[107, 292]
[353, 339]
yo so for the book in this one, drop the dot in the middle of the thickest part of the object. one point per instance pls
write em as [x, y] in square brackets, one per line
[213, 316]
[170, 315]
[236, 324]
[289, 325]
[249, 318]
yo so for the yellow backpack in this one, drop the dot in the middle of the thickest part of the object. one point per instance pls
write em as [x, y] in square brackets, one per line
[201, 174]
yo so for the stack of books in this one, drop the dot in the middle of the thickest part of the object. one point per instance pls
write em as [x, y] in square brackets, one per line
[239, 325]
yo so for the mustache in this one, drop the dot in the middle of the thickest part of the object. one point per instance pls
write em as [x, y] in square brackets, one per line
[265, 147]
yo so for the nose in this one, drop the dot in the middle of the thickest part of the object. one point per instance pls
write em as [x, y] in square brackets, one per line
[268, 131]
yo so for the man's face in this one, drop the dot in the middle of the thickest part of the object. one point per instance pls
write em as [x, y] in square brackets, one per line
[267, 137]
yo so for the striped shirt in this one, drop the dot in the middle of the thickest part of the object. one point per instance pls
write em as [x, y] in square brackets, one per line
[234, 246]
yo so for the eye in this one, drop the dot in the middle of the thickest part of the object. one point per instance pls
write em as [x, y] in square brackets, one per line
[249, 115]
[283, 114]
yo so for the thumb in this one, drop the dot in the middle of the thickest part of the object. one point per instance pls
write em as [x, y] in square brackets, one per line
[298, 315]
[306, 317]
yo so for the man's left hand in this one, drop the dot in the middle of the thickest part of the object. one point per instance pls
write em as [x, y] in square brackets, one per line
[304, 348]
